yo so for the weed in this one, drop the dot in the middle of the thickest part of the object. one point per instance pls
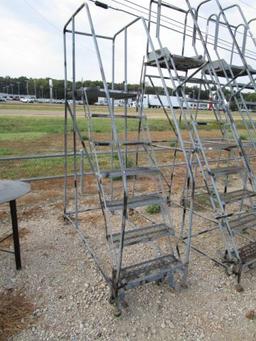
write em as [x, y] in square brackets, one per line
[173, 144]
[153, 209]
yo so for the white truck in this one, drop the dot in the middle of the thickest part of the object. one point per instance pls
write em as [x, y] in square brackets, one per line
[152, 101]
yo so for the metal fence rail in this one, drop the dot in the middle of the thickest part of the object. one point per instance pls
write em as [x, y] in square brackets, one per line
[89, 173]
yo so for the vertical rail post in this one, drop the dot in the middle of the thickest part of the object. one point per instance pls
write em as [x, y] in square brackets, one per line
[74, 113]
[65, 123]
[125, 100]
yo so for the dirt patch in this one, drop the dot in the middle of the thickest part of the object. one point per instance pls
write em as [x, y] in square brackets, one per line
[7, 239]
[16, 313]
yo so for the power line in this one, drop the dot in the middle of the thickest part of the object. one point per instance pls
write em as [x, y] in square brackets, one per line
[226, 47]
[250, 6]
[42, 16]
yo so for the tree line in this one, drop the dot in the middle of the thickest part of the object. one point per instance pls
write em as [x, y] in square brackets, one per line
[39, 87]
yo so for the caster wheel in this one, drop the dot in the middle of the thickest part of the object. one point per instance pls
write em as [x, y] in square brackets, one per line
[239, 288]
[184, 286]
[117, 312]
[159, 282]
[125, 304]
[111, 300]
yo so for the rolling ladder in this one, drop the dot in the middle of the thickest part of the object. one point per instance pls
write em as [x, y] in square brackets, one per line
[140, 252]
[234, 208]
[228, 75]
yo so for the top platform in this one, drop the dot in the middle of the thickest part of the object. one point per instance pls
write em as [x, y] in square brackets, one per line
[181, 63]
[222, 68]
[11, 190]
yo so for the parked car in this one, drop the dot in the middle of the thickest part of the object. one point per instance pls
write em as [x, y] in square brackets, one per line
[27, 100]
[24, 100]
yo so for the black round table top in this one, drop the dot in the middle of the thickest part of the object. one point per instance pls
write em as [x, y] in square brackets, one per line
[12, 189]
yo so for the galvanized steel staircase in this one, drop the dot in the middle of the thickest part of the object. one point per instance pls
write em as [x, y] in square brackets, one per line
[217, 159]
[128, 181]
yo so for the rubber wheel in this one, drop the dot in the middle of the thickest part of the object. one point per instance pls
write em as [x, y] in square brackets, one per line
[239, 288]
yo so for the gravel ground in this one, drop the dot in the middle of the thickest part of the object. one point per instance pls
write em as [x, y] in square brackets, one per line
[70, 299]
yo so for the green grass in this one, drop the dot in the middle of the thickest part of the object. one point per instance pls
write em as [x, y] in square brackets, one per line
[32, 168]
[21, 135]
[15, 128]
[32, 106]
[5, 151]
[153, 209]
[50, 125]
[243, 137]
[32, 125]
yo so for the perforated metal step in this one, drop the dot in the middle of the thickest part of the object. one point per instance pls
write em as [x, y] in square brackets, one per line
[131, 172]
[243, 222]
[202, 123]
[222, 68]
[149, 271]
[143, 234]
[237, 195]
[247, 253]
[138, 201]
[224, 171]
[125, 143]
[181, 63]
[106, 115]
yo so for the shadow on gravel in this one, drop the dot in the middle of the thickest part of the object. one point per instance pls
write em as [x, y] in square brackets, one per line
[16, 313]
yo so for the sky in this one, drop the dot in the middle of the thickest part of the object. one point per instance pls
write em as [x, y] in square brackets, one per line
[32, 40]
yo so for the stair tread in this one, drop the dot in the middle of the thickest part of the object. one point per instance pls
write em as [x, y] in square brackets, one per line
[236, 195]
[151, 270]
[130, 172]
[243, 222]
[115, 94]
[182, 63]
[226, 170]
[247, 252]
[138, 201]
[106, 115]
[142, 234]
[221, 68]
[126, 143]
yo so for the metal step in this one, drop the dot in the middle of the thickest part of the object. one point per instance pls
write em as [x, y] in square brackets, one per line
[202, 123]
[125, 143]
[138, 201]
[194, 80]
[224, 171]
[142, 234]
[130, 172]
[115, 94]
[181, 63]
[149, 271]
[243, 222]
[222, 68]
[106, 115]
[237, 195]
[247, 253]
